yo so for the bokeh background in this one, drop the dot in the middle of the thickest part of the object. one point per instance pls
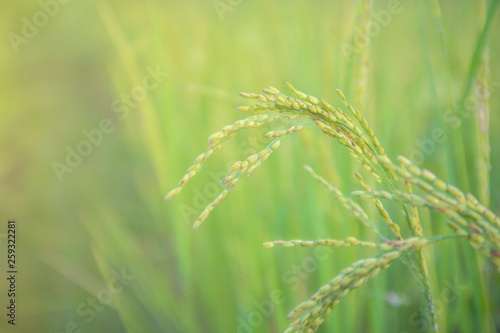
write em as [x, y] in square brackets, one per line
[105, 215]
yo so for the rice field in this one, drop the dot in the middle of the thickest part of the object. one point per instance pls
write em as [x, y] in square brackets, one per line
[107, 104]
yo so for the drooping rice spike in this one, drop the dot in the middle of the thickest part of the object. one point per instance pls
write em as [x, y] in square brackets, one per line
[216, 141]
[380, 207]
[414, 217]
[444, 197]
[238, 169]
[279, 134]
[328, 296]
[347, 202]
[351, 241]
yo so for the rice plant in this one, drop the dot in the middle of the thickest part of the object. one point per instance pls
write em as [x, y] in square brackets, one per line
[400, 181]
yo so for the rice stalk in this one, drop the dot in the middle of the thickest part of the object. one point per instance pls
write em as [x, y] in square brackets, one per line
[481, 92]
[361, 62]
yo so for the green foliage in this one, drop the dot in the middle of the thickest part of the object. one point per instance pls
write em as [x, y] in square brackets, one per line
[408, 79]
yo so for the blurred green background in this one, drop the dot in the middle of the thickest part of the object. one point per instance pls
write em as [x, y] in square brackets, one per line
[89, 64]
